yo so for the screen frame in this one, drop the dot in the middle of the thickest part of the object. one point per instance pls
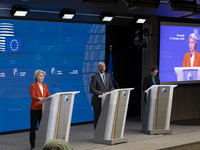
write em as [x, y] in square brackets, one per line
[183, 23]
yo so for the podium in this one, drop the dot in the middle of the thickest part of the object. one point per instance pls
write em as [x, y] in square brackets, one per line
[187, 73]
[56, 118]
[156, 118]
[110, 127]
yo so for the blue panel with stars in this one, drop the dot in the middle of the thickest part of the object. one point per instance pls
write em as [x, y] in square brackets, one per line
[13, 45]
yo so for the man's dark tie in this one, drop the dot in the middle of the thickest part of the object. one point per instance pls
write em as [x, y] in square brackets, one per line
[104, 79]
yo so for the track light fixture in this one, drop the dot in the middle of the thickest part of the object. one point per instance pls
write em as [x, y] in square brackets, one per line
[142, 3]
[101, 1]
[19, 10]
[67, 13]
[141, 20]
[183, 5]
[106, 16]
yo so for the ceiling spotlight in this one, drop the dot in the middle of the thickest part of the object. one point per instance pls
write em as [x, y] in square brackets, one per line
[67, 13]
[106, 16]
[19, 10]
[142, 3]
[183, 5]
[141, 20]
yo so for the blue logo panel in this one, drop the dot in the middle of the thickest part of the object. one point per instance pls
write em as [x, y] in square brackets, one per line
[13, 45]
[68, 54]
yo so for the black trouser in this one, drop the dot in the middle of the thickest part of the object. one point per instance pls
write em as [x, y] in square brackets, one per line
[36, 116]
[97, 112]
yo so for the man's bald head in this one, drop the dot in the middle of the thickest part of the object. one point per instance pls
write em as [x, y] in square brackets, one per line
[102, 67]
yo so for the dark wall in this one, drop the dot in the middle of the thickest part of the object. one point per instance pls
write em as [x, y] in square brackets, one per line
[127, 62]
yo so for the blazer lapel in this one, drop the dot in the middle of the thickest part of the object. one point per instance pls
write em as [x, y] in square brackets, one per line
[44, 90]
[189, 60]
[195, 58]
[106, 80]
[38, 88]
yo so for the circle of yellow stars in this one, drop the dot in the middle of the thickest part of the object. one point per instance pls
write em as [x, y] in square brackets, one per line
[14, 49]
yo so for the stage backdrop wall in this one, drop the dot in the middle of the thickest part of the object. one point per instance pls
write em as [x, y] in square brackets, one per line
[67, 52]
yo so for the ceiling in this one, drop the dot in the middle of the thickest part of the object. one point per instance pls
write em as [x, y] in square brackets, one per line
[89, 11]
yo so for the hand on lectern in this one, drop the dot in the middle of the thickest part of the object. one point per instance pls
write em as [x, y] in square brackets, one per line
[41, 99]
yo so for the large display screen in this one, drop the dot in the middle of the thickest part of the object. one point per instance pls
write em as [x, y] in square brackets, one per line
[174, 45]
[67, 52]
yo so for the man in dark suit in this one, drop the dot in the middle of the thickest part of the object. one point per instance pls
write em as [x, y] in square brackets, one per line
[100, 84]
[151, 79]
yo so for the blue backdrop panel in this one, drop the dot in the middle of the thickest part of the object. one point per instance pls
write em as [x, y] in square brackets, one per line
[62, 50]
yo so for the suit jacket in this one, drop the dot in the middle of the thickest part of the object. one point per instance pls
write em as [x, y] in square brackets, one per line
[186, 60]
[35, 92]
[97, 87]
[148, 82]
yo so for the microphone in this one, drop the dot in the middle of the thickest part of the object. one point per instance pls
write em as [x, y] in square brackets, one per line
[57, 87]
[115, 82]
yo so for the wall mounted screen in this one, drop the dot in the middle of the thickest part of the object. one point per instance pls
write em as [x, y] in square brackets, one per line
[178, 60]
[67, 52]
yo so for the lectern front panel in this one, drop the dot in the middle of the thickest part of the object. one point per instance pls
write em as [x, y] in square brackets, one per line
[56, 118]
[102, 122]
[63, 120]
[157, 112]
[53, 110]
[150, 109]
[43, 124]
[162, 108]
[111, 123]
[47, 125]
[122, 101]
[190, 74]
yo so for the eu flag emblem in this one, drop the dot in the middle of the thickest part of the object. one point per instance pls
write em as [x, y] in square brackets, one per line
[13, 45]
[67, 99]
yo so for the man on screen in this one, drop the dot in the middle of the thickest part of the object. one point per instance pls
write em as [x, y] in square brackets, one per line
[192, 58]
[100, 84]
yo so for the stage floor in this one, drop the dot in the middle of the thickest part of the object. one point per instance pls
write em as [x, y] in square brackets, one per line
[81, 137]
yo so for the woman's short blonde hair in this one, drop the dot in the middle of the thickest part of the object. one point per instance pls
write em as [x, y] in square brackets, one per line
[37, 72]
[194, 37]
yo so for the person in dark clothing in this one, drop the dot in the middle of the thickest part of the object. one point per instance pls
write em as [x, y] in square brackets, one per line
[151, 79]
[100, 84]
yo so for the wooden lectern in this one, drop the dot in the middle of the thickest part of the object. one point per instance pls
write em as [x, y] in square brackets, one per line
[111, 123]
[56, 118]
[156, 119]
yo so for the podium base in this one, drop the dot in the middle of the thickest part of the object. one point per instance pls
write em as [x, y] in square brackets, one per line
[153, 132]
[111, 142]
